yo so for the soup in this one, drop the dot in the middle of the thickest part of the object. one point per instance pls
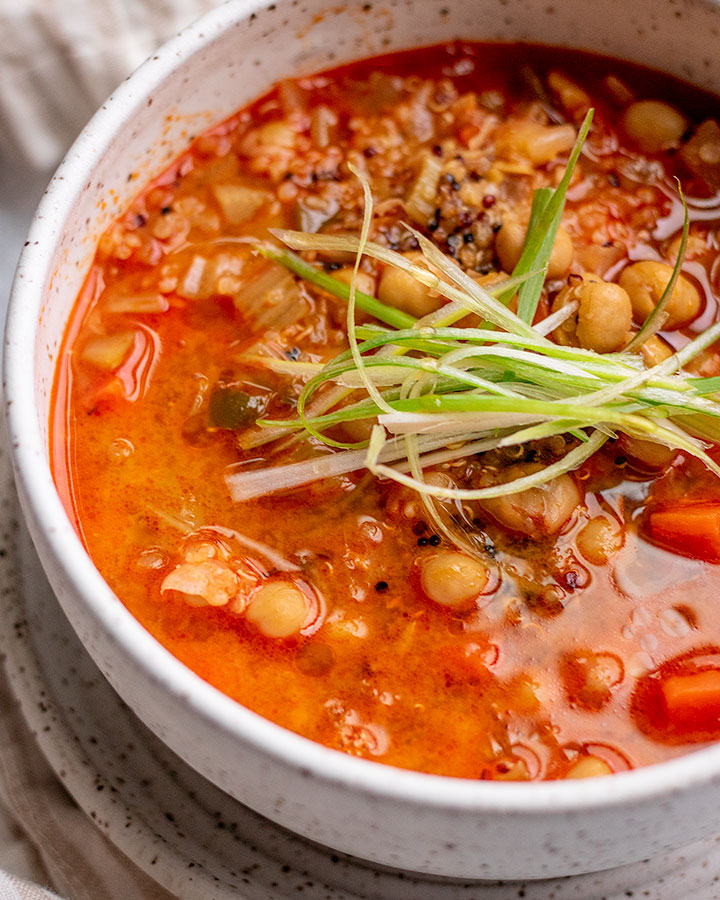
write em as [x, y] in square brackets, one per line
[415, 493]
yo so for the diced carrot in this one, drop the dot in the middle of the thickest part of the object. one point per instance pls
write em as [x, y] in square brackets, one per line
[691, 530]
[692, 701]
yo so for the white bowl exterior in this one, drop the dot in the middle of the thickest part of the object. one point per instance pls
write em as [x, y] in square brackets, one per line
[439, 826]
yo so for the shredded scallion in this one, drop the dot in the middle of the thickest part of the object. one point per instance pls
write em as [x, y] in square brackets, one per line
[435, 391]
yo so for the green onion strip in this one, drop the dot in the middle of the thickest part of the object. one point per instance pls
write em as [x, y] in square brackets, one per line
[658, 316]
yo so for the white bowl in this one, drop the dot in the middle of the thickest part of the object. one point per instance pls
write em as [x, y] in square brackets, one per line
[430, 824]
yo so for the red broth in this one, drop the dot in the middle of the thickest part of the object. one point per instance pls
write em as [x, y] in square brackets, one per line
[581, 641]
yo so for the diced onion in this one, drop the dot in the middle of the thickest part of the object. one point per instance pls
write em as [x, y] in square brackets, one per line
[422, 199]
[108, 351]
[239, 202]
[140, 303]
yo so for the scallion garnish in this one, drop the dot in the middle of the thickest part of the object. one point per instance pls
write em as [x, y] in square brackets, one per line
[436, 391]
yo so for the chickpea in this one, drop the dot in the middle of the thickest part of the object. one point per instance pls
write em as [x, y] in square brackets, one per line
[533, 141]
[453, 579]
[603, 318]
[655, 350]
[696, 247]
[589, 767]
[570, 94]
[279, 609]
[598, 258]
[645, 282]
[600, 539]
[654, 125]
[604, 671]
[510, 241]
[644, 456]
[365, 283]
[401, 290]
[589, 678]
[539, 510]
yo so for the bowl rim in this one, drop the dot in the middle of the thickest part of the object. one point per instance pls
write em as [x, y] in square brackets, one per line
[216, 710]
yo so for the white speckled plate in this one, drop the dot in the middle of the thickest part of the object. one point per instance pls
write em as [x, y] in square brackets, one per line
[189, 836]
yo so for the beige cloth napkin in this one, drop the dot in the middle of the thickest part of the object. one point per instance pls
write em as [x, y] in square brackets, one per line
[59, 59]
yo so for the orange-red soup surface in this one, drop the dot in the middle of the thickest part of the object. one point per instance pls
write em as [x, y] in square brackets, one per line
[585, 637]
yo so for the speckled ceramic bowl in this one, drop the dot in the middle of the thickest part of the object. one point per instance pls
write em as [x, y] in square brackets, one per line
[426, 823]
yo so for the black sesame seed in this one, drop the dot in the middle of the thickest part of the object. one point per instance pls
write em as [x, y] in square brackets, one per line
[369, 152]
[422, 542]
[381, 586]
[165, 210]
[435, 540]
[437, 150]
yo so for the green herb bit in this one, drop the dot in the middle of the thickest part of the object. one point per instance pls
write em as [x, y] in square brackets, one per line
[233, 408]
